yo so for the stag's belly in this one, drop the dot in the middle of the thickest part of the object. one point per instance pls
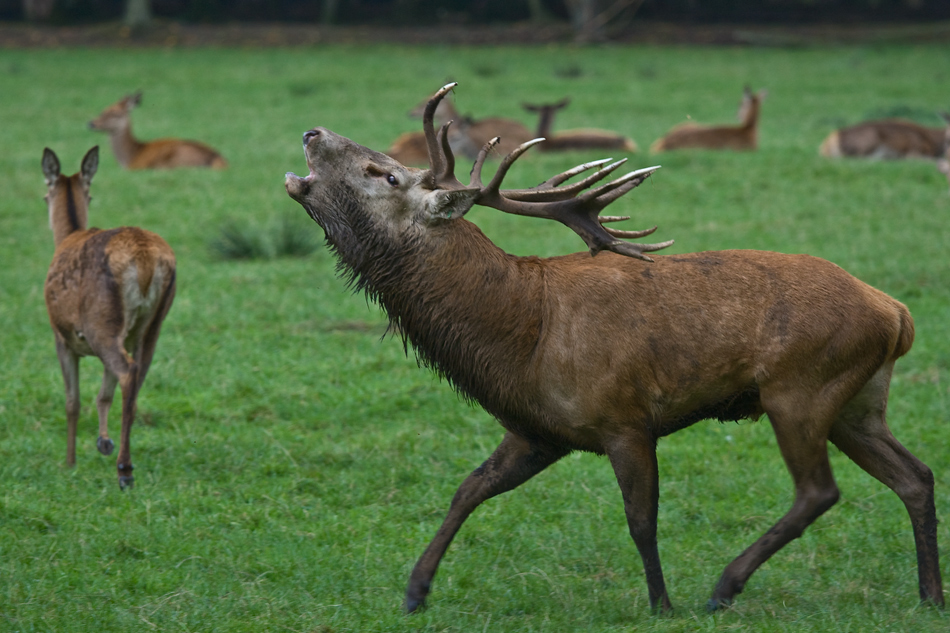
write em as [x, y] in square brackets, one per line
[690, 337]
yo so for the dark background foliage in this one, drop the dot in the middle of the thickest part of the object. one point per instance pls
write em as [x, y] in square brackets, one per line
[422, 12]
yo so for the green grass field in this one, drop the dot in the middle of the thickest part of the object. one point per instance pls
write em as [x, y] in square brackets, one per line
[291, 465]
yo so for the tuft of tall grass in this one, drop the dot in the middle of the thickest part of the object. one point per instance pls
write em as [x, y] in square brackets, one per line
[288, 236]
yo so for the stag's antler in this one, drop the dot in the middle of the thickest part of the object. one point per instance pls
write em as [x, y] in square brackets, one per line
[566, 204]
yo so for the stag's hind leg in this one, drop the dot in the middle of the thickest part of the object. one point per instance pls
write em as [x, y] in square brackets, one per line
[861, 432]
[801, 431]
[514, 462]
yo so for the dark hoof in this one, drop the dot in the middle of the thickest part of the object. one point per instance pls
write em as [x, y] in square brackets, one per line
[126, 482]
[716, 604]
[105, 445]
[414, 605]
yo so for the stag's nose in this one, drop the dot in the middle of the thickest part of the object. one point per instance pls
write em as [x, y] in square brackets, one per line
[309, 135]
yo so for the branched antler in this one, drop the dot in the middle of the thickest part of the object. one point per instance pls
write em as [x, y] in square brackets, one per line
[574, 205]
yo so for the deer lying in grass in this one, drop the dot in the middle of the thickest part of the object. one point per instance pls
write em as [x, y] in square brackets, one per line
[608, 354]
[163, 153]
[887, 139]
[744, 136]
[107, 293]
[411, 148]
[585, 138]
[467, 136]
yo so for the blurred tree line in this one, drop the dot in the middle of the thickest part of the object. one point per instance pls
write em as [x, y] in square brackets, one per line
[585, 15]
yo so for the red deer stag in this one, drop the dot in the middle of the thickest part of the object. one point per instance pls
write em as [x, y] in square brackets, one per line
[107, 293]
[608, 354]
[744, 136]
[887, 139]
[585, 138]
[165, 153]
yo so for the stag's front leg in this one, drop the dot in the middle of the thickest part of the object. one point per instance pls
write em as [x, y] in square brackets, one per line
[634, 463]
[514, 462]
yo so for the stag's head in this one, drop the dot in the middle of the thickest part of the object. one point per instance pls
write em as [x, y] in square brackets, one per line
[361, 197]
[353, 188]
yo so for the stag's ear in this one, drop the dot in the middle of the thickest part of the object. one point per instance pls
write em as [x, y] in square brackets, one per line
[51, 167]
[449, 204]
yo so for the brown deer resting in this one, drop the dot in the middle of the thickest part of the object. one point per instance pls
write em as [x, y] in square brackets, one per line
[744, 136]
[608, 354]
[107, 293]
[585, 138]
[165, 153]
[467, 135]
[411, 148]
[887, 139]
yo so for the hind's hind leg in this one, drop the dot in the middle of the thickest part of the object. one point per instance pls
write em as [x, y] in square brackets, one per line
[861, 433]
[103, 404]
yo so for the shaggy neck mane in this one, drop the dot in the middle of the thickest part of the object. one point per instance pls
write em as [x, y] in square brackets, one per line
[469, 310]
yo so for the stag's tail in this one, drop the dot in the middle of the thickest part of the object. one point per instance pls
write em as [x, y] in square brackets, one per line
[906, 337]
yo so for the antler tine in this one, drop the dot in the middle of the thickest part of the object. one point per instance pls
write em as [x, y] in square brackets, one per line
[506, 163]
[436, 156]
[543, 193]
[630, 235]
[616, 188]
[475, 177]
[634, 250]
[554, 181]
[447, 176]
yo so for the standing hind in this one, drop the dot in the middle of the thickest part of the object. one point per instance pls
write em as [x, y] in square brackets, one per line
[107, 293]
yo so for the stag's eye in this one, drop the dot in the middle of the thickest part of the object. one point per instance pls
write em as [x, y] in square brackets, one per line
[392, 180]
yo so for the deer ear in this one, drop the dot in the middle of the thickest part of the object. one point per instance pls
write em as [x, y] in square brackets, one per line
[90, 163]
[51, 167]
[449, 204]
[133, 100]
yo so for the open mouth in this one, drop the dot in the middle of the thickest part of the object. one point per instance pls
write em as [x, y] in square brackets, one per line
[297, 186]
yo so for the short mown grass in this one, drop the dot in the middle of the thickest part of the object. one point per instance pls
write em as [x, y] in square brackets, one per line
[292, 462]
